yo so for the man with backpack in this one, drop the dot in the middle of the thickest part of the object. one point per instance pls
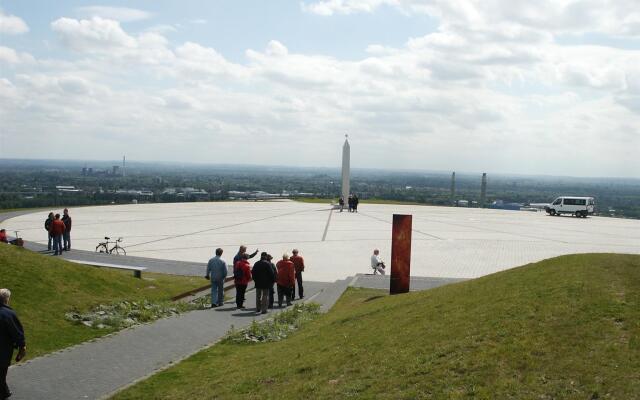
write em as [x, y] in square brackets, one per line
[241, 278]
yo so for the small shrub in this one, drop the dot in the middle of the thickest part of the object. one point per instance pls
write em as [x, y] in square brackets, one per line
[277, 328]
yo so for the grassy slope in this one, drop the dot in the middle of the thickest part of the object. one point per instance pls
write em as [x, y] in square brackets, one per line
[44, 288]
[567, 327]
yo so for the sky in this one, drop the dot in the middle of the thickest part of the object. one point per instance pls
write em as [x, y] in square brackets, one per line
[546, 87]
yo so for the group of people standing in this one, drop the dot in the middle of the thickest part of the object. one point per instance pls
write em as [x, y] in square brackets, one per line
[265, 275]
[352, 202]
[59, 232]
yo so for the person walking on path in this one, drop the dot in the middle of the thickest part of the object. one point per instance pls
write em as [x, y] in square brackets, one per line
[350, 201]
[275, 274]
[217, 272]
[263, 279]
[356, 200]
[298, 266]
[341, 202]
[56, 230]
[47, 227]
[11, 336]
[286, 279]
[376, 263]
[241, 251]
[241, 278]
[66, 236]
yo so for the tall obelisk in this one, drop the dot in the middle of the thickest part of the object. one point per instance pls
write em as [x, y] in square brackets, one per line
[346, 169]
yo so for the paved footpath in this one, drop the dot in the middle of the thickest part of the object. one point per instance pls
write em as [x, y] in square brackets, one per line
[96, 369]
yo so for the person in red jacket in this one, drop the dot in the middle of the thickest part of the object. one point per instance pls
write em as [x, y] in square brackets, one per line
[298, 266]
[56, 230]
[241, 278]
[286, 279]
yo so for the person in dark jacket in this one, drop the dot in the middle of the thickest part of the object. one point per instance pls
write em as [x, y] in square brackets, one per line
[241, 278]
[263, 279]
[356, 201]
[66, 235]
[275, 273]
[47, 227]
[11, 336]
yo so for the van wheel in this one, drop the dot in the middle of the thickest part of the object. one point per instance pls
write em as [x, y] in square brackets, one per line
[584, 214]
[578, 214]
[552, 212]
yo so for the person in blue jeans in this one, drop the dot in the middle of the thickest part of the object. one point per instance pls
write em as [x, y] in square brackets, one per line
[217, 272]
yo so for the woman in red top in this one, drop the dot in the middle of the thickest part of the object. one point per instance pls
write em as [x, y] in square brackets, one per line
[286, 279]
[241, 278]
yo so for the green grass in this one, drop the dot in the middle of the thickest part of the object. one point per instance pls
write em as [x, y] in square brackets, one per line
[564, 328]
[44, 288]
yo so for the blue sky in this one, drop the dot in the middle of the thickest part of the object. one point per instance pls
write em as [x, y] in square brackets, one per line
[495, 85]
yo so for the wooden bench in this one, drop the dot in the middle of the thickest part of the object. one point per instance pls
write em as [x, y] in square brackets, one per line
[137, 271]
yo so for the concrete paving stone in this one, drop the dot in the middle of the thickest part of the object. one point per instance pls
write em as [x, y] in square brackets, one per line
[447, 241]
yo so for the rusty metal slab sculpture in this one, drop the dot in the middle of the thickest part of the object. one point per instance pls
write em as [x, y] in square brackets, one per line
[400, 254]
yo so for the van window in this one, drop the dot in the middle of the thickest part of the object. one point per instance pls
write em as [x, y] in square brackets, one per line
[590, 202]
[575, 202]
[558, 201]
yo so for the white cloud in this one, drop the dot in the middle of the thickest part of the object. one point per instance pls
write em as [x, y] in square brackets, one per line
[481, 90]
[106, 37]
[10, 56]
[12, 25]
[121, 14]
[94, 35]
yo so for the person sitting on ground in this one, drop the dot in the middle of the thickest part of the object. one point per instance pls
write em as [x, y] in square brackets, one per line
[241, 251]
[11, 336]
[217, 272]
[3, 236]
[241, 278]
[263, 279]
[286, 279]
[376, 263]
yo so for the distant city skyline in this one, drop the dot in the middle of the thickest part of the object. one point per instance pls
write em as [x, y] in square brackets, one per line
[551, 88]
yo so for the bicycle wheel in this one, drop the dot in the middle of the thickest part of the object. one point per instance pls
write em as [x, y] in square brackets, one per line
[102, 248]
[119, 250]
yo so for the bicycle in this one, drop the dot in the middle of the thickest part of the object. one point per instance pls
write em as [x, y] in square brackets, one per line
[103, 247]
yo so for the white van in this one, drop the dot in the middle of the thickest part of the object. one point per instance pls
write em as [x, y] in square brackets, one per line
[578, 206]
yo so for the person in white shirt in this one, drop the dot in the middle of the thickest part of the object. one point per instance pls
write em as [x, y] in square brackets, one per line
[376, 263]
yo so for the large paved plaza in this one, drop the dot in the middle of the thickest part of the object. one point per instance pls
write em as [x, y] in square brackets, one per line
[447, 242]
